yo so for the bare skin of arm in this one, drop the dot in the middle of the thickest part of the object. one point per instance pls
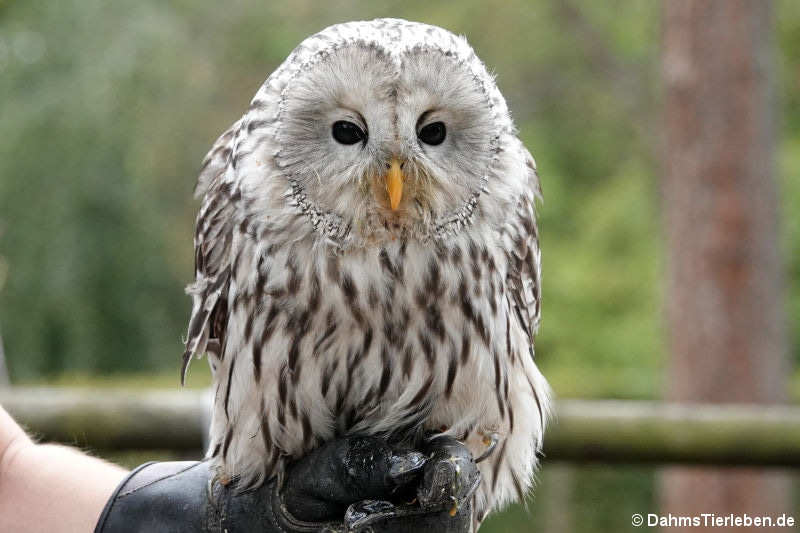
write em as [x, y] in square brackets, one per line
[47, 487]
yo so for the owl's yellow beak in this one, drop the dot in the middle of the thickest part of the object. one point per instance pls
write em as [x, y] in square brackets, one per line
[394, 183]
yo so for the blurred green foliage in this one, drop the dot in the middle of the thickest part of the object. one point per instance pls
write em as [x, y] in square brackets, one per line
[108, 107]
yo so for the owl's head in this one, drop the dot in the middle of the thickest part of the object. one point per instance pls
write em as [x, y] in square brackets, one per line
[378, 130]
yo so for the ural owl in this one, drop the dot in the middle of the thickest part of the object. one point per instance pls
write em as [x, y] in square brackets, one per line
[367, 260]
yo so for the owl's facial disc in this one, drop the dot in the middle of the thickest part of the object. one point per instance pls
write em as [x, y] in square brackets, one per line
[388, 144]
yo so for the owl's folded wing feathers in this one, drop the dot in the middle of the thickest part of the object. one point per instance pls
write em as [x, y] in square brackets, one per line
[212, 243]
[524, 258]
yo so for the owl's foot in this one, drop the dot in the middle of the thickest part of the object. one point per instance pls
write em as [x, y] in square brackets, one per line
[323, 484]
[444, 496]
[450, 476]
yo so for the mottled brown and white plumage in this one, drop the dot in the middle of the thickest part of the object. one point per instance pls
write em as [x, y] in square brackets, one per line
[328, 308]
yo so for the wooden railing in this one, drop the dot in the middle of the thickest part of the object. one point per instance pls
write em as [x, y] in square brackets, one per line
[582, 430]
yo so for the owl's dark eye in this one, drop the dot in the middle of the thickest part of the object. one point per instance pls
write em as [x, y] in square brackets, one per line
[347, 133]
[433, 133]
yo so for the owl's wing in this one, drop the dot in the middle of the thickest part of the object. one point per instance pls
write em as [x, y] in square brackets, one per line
[212, 251]
[523, 255]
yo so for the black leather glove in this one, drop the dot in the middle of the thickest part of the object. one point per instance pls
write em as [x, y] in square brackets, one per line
[353, 484]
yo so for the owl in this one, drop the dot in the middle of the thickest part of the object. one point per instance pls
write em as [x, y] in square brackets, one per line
[367, 261]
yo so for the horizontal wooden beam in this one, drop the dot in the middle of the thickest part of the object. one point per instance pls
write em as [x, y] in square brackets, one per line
[653, 432]
[112, 420]
[599, 431]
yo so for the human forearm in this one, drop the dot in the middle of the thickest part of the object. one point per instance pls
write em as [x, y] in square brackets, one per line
[50, 487]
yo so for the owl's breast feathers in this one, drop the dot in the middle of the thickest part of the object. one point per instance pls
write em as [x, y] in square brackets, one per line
[307, 343]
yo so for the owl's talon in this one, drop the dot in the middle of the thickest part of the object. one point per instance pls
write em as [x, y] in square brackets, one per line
[364, 512]
[490, 441]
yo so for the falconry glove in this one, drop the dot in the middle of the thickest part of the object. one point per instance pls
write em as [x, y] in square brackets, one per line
[353, 484]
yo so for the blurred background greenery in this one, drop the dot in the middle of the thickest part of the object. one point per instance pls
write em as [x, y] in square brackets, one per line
[107, 109]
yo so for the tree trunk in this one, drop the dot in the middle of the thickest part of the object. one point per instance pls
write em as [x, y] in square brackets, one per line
[726, 326]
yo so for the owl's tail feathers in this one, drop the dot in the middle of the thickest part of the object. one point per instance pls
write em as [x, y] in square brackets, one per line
[206, 326]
